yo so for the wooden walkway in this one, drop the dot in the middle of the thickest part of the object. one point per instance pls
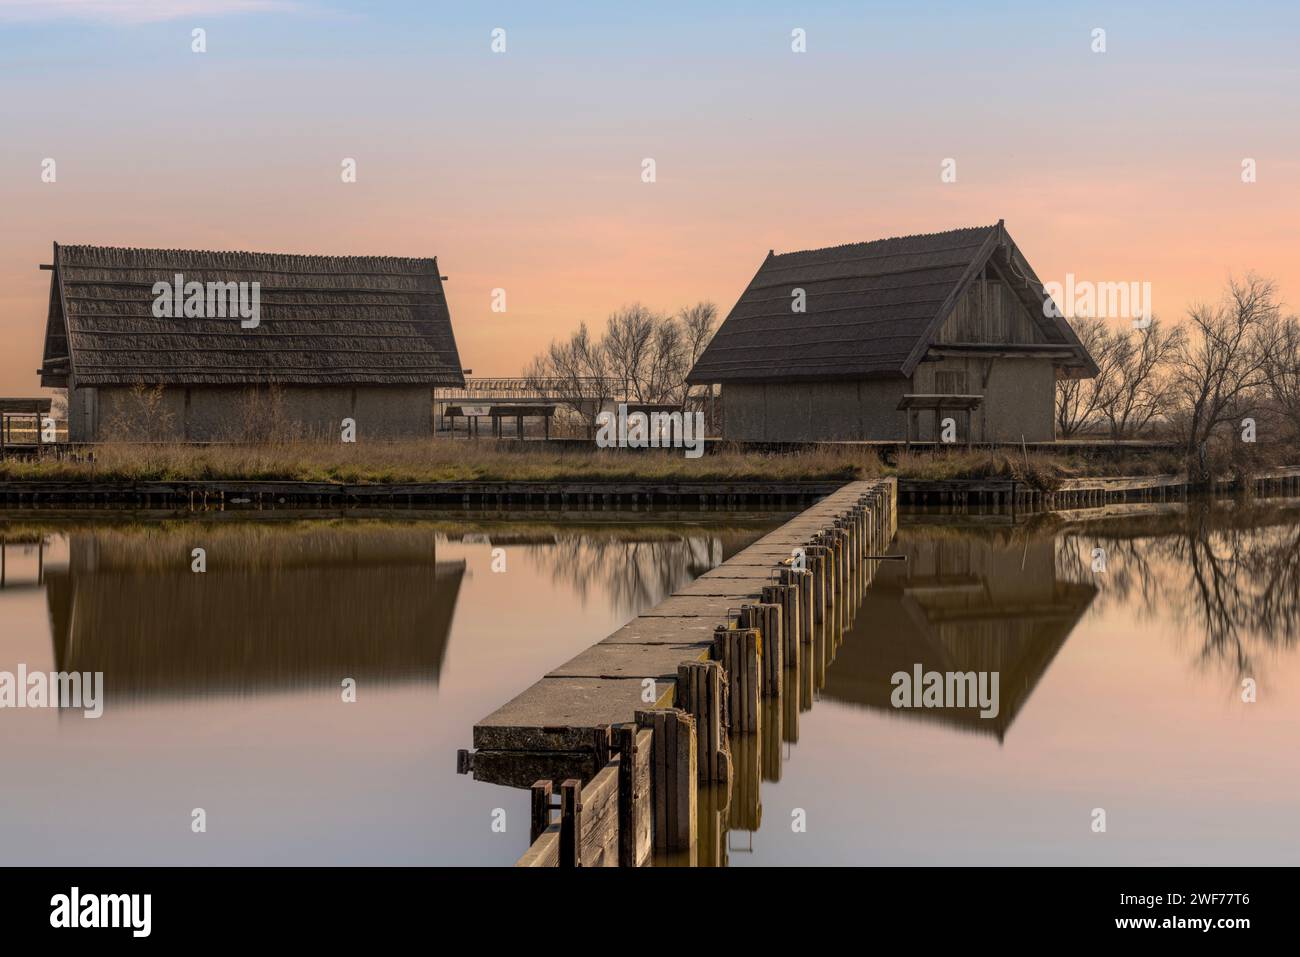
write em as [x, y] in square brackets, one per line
[695, 673]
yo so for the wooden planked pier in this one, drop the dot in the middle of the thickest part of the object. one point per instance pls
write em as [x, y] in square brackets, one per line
[699, 692]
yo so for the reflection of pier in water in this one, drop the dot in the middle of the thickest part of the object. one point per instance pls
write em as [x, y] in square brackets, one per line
[277, 608]
[966, 599]
[963, 601]
[960, 603]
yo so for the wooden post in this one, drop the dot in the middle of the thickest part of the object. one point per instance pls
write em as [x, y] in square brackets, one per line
[786, 595]
[817, 558]
[804, 581]
[570, 823]
[766, 618]
[634, 808]
[673, 779]
[682, 835]
[737, 649]
[541, 810]
[699, 688]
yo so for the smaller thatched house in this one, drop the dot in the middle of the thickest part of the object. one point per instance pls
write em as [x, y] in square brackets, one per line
[170, 344]
[884, 340]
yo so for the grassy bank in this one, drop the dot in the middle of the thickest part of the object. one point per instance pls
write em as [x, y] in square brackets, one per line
[417, 462]
[410, 462]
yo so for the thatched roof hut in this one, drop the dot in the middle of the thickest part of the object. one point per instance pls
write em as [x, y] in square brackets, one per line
[324, 322]
[825, 343]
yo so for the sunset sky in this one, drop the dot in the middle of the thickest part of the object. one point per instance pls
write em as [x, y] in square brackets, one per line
[522, 170]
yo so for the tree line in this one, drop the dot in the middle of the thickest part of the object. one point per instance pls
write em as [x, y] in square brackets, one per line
[642, 357]
[1228, 374]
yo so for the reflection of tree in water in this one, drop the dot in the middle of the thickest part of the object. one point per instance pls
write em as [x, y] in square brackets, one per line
[1229, 573]
[636, 572]
[1128, 578]
[636, 575]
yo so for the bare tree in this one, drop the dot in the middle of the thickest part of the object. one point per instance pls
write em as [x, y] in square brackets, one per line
[627, 342]
[643, 356]
[1077, 399]
[697, 326]
[1282, 374]
[1135, 393]
[667, 364]
[1220, 365]
[576, 369]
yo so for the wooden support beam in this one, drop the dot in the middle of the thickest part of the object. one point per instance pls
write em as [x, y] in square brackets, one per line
[570, 822]
[700, 687]
[737, 649]
[598, 834]
[635, 813]
[541, 810]
[766, 620]
[673, 780]
[787, 597]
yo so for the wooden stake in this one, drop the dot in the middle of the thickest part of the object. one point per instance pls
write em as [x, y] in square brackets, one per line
[571, 823]
[541, 793]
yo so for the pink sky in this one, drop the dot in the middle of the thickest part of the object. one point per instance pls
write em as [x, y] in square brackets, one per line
[522, 171]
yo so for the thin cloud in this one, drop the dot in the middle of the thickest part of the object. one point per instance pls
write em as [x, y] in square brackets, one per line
[135, 11]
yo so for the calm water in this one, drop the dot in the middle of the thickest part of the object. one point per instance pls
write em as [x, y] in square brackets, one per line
[223, 688]
[1119, 689]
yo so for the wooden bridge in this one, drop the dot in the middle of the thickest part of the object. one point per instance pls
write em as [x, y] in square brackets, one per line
[673, 719]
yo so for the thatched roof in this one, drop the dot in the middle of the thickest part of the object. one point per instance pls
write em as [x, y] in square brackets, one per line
[873, 308]
[325, 320]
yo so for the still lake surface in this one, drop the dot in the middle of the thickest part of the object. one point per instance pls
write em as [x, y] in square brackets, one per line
[1120, 688]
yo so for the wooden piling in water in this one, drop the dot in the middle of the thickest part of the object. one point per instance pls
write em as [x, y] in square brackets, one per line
[570, 821]
[803, 582]
[766, 619]
[541, 810]
[673, 778]
[787, 597]
[818, 560]
[700, 691]
[738, 651]
[635, 830]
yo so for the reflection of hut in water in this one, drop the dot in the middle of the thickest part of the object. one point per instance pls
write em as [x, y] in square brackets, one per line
[959, 603]
[277, 608]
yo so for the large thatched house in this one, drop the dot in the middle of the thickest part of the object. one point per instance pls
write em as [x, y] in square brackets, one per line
[195, 345]
[884, 340]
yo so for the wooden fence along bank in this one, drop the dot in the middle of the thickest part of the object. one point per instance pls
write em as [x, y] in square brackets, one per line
[659, 735]
[999, 494]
